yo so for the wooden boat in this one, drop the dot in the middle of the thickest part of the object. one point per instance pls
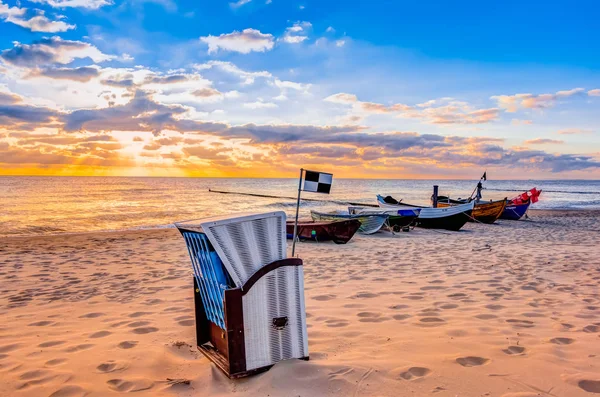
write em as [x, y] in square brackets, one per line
[369, 223]
[397, 218]
[514, 212]
[448, 218]
[484, 212]
[518, 206]
[340, 232]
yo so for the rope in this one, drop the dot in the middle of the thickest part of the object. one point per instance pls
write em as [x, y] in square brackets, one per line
[295, 198]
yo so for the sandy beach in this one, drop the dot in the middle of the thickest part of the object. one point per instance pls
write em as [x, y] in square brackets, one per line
[506, 310]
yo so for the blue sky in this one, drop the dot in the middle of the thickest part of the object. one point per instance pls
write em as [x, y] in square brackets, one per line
[375, 89]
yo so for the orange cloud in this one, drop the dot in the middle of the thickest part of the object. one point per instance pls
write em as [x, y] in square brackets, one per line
[543, 141]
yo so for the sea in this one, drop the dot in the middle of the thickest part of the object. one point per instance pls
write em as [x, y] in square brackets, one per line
[31, 205]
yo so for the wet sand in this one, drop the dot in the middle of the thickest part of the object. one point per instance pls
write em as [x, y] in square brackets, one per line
[507, 310]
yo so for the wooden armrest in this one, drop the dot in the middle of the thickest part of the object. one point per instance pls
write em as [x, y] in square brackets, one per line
[267, 269]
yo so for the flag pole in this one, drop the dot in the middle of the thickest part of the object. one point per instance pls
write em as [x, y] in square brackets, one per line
[297, 209]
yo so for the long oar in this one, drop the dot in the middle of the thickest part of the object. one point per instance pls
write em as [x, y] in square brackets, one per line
[294, 198]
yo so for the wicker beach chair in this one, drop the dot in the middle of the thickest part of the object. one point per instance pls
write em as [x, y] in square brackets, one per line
[249, 299]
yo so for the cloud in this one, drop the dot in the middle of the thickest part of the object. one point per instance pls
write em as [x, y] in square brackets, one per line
[81, 74]
[448, 110]
[239, 3]
[530, 101]
[543, 141]
[518, 122]
[297, 33]
[260, 105]
[53, 50]
[342, 97]
[181, 142]
[7, 98]
[573, 131]
[247, 77]
[90, 4]
[595, 92]
[142, 113]
[12, 112]
[206, 93]
[340, 43]
[168, 79]
[330, 29]
[38, 23]
[243, 42]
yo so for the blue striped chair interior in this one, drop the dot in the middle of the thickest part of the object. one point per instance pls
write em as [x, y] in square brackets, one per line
[211, 276]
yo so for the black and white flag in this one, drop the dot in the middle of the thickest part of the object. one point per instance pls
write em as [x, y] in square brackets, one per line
[317, 182]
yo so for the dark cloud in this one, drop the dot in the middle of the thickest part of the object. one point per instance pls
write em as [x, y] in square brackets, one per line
[175, 78]
[139, 114]
[7, 98]
[26, 113]
[124, 83]
[82, 74]
[50, 50]
[206, 93]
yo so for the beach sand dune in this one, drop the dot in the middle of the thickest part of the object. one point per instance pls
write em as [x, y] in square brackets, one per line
[507, 310]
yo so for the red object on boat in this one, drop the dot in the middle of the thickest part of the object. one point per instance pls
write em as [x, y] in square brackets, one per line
[523, 198]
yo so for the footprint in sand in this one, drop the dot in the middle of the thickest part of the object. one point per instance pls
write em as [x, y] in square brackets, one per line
[591, 328]
[520, 323]
[414, 373]
[52, 343]
[472, 361]
[591, 386]
[70, 391]
[99, 334]
[112, 366]
[365, 295]
[485, 316]
[399, 307]
[78, 348]
[144, 330]
[336, 323]
[187, 323]
[35, 374]
[128, 344]
[122, 385]
[514, 350]
[447, 306]
[370, 317]
[41, 323]
[458, 295]
[92, 315]
[119, 324]
[495, 307]
[139, 314]
[431, 322]
[137, 324]
[326, 297]
[55, 362]
[562, 341]
[401, 317]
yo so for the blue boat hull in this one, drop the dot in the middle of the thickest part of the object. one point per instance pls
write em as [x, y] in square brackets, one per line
[514, 212]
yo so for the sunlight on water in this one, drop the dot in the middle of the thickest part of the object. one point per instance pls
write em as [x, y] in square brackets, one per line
[50, 205]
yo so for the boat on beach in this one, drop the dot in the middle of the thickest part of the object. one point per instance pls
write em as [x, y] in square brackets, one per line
[369, 223]
[484, 211]
[397, 218]
[340, 231]
[448, 218]
[518, 206]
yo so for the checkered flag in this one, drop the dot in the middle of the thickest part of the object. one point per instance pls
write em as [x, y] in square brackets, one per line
[317, 182]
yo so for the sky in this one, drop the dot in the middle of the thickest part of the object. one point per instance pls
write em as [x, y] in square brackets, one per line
[261, 88]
